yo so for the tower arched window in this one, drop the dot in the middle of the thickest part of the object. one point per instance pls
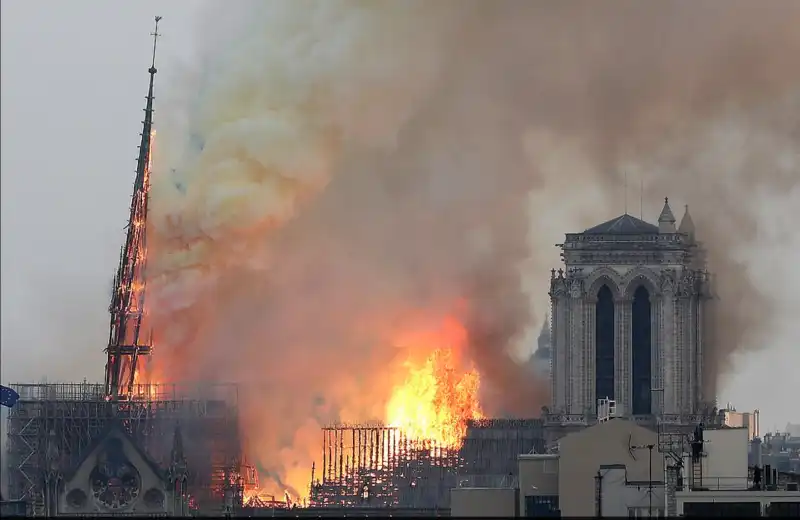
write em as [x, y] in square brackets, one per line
[604, 344]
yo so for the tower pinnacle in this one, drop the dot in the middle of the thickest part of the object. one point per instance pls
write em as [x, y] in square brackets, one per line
[155, 36]
[666, 221]
[687, 224]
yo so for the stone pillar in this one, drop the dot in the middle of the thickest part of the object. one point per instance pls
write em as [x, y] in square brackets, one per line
[684, 340]
[560, 372]
[665, 375]
[698, 354]
[589, 350]
[622, 354]
[575, 344]
[566, 353]
[657, 322]
[682, 378]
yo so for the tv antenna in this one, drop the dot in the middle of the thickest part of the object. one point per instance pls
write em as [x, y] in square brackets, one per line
[641, 197]
[649, 447]
[625, 189]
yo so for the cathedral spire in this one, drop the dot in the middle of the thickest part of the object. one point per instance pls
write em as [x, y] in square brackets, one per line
[687, 224]
[666, 221]
[127, 337]
[147, 124]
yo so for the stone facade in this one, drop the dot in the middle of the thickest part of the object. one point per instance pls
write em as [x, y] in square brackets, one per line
[116, 477]
[623, 255]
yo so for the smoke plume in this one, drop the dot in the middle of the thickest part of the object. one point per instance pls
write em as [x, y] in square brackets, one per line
[342, 171]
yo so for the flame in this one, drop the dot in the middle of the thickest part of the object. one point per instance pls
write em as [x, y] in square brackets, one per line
[439, 394]
[258, 498]
[149, 161]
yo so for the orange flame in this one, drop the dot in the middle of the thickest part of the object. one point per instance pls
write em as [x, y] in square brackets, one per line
[440, 394]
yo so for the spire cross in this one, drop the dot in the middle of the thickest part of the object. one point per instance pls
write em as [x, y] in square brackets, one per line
[155, 34]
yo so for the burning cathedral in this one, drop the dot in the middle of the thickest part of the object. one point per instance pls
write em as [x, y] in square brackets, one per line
[628, 320]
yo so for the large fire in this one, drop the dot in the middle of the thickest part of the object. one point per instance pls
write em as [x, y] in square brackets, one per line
[439, 394]
[433, 394]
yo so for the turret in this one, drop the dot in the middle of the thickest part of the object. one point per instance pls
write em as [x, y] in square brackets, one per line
[666, 221]
[687, 225]
[543, 342]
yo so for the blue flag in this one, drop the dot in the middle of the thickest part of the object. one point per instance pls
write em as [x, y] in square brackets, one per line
[8, 396]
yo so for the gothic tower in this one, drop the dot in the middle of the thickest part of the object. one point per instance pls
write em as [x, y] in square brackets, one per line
[628, 317]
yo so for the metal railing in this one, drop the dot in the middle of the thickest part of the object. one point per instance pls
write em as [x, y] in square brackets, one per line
[717, 484]
[227, 392]
[488, 481]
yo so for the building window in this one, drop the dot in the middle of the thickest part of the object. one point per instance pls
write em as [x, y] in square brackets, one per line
[604, 344]
[641, 344]
[542, 505]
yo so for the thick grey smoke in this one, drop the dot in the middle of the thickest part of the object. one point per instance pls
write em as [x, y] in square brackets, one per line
[347, 170]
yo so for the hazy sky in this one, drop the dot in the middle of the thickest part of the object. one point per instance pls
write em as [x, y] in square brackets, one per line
[74, 76]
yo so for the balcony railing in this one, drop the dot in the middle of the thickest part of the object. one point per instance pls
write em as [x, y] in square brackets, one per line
[488, 481]
[717, 484]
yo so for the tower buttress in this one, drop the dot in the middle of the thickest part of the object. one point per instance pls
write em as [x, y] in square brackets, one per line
[127, 342]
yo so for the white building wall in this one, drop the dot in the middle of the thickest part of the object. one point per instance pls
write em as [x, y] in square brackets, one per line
[725, 465]
[619, 497]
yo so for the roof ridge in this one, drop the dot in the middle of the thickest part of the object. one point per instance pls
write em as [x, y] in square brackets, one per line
[113, 426]
[623, 224]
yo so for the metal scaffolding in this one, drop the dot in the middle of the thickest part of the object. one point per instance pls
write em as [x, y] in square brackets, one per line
[373, 465]
[492, 446]
[74, 415]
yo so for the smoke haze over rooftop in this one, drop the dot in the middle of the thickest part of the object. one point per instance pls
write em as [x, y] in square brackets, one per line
[415, 132]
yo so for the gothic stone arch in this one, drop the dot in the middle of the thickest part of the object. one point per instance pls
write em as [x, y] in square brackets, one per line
[641, 276]
[604, 276]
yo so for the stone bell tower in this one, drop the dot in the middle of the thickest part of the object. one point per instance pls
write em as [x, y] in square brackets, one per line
[628, 319]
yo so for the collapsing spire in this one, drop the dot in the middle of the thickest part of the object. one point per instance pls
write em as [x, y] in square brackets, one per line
[128, 300]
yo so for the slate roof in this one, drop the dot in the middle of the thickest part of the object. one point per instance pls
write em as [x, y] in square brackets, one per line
[623, 225]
